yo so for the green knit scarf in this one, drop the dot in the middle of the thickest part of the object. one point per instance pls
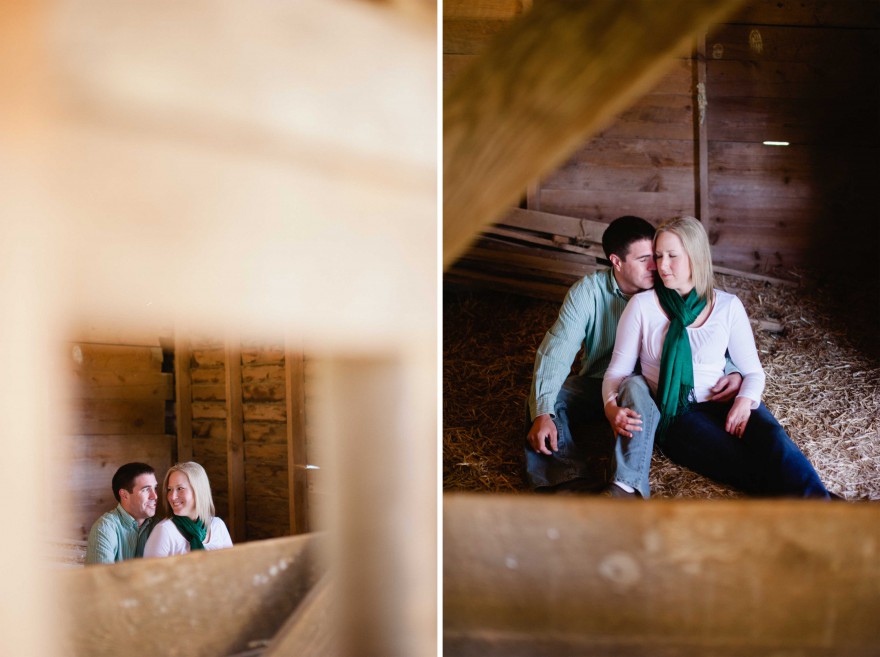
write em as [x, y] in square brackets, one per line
[675, 388]
[193, 530]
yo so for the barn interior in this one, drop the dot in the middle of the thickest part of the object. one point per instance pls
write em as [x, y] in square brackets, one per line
[759, 118]
[221, 245]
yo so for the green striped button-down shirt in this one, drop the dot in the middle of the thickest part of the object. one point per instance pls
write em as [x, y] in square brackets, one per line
[115, 536]
[588, 318]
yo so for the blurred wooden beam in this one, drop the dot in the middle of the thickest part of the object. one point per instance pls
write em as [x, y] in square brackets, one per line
[554, 78]
[570, 576]
[201, 604]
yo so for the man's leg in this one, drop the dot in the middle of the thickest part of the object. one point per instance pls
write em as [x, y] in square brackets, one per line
[581, 440]
[633, 455]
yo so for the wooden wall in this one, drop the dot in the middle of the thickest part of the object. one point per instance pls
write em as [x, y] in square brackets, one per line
[124, 408]
[804, 72]
[243, 439]
[118, 396]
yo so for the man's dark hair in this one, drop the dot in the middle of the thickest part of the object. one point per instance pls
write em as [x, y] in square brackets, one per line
[622, 232]
[125, 476]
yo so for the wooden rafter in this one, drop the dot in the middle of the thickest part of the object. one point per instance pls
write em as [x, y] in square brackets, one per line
[559, 74]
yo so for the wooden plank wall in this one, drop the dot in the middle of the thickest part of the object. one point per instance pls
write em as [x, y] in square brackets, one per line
[806, 73]
[803, 72]
[117, 400]
[263, 427]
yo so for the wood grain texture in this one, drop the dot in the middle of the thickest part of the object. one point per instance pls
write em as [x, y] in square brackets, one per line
[110, 384]
[89, 356]
[549, 575]
[573, 65]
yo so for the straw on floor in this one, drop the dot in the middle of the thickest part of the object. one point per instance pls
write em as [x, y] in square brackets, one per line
[823, 385]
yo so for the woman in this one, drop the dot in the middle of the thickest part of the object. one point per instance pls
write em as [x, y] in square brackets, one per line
[679, 332]
[191, 523]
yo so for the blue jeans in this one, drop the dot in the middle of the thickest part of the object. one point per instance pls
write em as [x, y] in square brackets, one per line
[765, 461]
[580, 422]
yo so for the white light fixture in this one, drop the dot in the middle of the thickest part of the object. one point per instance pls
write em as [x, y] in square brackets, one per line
[775, 143]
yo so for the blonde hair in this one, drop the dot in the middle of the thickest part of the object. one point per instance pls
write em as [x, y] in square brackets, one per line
[696, 245]
[201, 489]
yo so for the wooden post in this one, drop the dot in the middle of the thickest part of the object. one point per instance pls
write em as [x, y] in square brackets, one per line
[533, 196]
[183, 395]
[297, 460]
[235, 439]
[701, 143]
[373, 412]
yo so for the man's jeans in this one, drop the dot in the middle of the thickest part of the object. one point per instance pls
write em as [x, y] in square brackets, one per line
[581, 424]
[765, 461]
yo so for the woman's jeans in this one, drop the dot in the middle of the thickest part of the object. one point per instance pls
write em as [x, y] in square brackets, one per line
[765, 461]
[581, 427]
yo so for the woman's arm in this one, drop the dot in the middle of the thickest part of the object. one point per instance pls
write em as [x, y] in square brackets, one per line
[743, 352]
[623, 363]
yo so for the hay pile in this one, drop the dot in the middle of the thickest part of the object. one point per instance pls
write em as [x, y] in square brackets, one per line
[823, 385]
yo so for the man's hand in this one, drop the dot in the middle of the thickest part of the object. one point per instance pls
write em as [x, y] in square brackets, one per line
[726, 389]
[738, 416]
[623, 420]
[543, 428]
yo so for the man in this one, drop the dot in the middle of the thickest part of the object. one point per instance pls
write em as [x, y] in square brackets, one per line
[121, 533]
[567, 411]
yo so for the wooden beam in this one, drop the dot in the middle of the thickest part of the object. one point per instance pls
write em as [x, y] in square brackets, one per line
[183, 396]
[235, 440]
[172, 605]
[555, 77]
[556, 224]
[563, 576]
[297, 459]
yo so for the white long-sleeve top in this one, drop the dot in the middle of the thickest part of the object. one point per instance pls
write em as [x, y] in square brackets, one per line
[166, 539]
[642, 329]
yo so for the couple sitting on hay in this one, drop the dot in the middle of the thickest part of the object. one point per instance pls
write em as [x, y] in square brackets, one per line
[132, 530]
[667, 359]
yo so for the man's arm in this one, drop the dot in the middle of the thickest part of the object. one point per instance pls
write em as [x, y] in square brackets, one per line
[726, 388]
[553, 363]
[103, 546]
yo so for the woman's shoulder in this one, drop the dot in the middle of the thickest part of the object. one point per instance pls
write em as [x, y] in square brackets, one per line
[164, 525]
[643, 297]
[726, 300]
[220, 537]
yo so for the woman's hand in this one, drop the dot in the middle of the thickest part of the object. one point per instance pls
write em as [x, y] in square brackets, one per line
[623, 420]
[738, 416]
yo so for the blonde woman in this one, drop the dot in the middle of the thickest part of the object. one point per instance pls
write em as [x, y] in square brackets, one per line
[190, 523]
[679, 333]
